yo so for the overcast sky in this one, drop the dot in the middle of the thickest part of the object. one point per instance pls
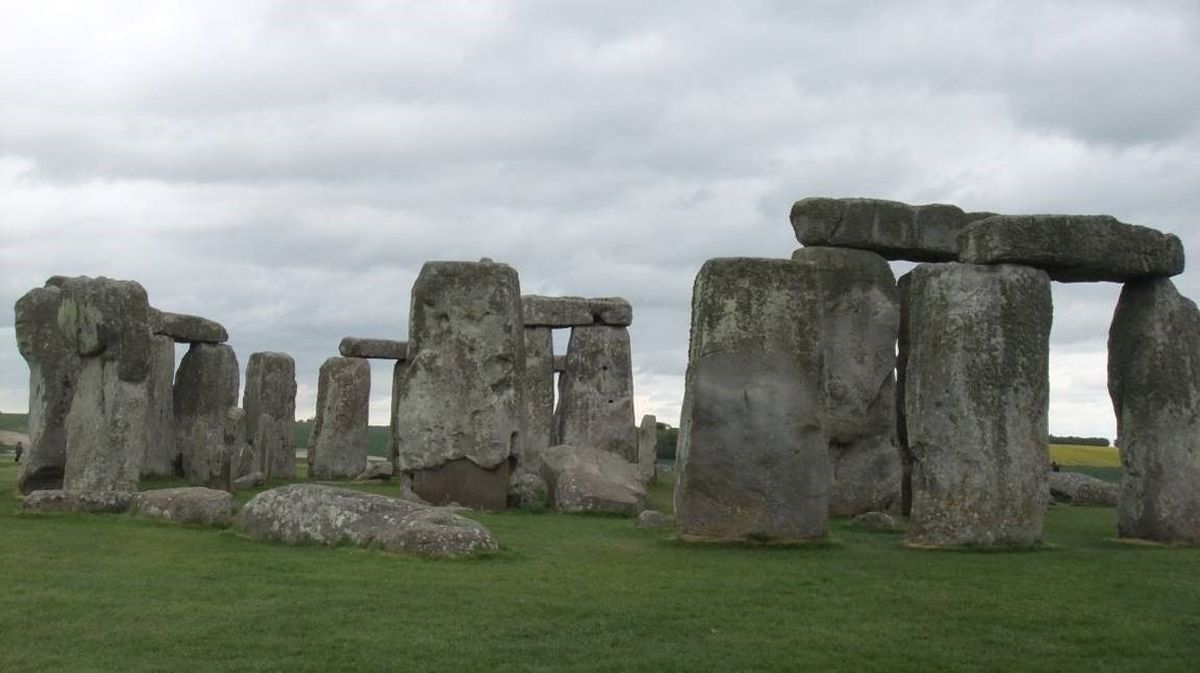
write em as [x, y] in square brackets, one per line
[285, 168]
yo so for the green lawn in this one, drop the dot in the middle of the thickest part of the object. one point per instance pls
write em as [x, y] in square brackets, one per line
[113, 593]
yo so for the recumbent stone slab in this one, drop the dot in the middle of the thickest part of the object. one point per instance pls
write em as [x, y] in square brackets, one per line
[187, 505]
[379, 349]
[270, 404]
[586, 479]
[337, 448]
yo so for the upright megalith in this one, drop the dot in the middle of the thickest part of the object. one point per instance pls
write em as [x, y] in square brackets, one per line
[595, 392]
[108, 424]
[647, 443]
[206, 387]
[1154, 382]
[161, 457]
[53, 367]
[859, 319]
[753, 462]
[976, 402]
[459, 406]
[538, 397]
[270, 404]
[337, 448]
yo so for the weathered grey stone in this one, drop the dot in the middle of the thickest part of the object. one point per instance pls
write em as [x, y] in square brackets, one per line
[379, 349]
[1081, 489]
[188, 505]
[206, 388]
[270, 404]
[462, 482]
[653, 519]
[460, 394]
[247, 481]
[753, 462]
[860, 316]
[244, 457]
[537, 398]
[94, 502]
[540, 311]
[895, 230]
[1073, 248]
[376, 471]
[613, 311]
[976, 403]
[586, 479]
[902, 348]
[337, 448]
[53, 368]
[306, 513]
[1154, 382]
[393, 429]
[595, 393]
[560, 363]
[161, 458]
[877, 521]
[527, 490]
[647, 442]
[189, 329]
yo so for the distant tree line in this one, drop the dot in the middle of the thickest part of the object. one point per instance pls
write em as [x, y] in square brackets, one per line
[1081, 441]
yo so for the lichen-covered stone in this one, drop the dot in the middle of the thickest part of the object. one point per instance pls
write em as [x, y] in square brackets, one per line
[753, 462]
[1154, 382]
[189, 329]
[895, 230]
[537, 398]
[161, 457]
[206, 388]
[976, 403]
[595, 393]
[459, 396]
[378, 349]
[1073, 248]
[337, 448]
[540, 311]
[313, 513]
[860, 316]
[187, 505]
[527, 490]
[647, 442]
[1081, 489]
[270, 404]
[585, 479]
[93, 502]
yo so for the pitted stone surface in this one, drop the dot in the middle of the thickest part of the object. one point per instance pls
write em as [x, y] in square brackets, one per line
[1081, 489]
[647, 441]
[161, 457]
[895, 230]
[860, 317]
[308, 513]
[540, 311]
[270, 404]
[185, 328]
[206, 388]
[95, 502]
[188, 505]
[337, 448]
[1073, 248]
[976, 403]
[1154, 382]
[459, 396]
[379, 349]
[538, 398]
[753, 461]
[595, 393]
[584, 479]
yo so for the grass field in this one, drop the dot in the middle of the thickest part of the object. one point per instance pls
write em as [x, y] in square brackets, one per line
[1087, 456]
[114, 593]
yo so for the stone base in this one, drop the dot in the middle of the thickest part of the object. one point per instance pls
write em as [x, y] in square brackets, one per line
[465, 483]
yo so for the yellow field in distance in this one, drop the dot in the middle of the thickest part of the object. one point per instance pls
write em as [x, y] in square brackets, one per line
[1090, 456]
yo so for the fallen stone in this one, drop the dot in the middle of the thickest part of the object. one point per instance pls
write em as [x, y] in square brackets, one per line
[188, 505]
[877, 521]
[537, 398]
[527, 490]
[379, 349]
[976, 403]
[308, 513]
[376, 471]
[206, 388]
[1081, 489]
[895, 230]
[270, 404]
[647, 443]
[654, 519]
[560, 312]
[1154, 383]
[1073, 248]
[189, 329]
[337, 448]
[161, 456]
[584, 479]
[247, 482]
[58, 500]
[753, 460]
[595, 393]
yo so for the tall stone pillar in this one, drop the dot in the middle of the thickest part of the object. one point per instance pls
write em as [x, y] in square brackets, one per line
[647, 440]
[270, 405]
[538, 397]
[206, 387]
[161, 458]
[976, 403]
[595, 392]
[337, 448]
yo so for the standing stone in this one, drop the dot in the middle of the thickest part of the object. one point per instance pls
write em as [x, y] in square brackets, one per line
[161, 458]
[647, 440]
[206, 386]
[53, 369]
[337, 448]
[595, 393]
[538, 397]
[860, 315]
[393, 430]
[270, 404]
[459, 412]
[753, 459]
[108, 425]
[903, 285]
[976, 403]
[1154, 382]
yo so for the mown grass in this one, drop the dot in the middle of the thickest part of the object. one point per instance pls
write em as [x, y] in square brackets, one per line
[1087, 456]
[114, 593]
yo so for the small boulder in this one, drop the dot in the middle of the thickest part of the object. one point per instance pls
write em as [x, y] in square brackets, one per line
[93, 502]
[526, 490]
[190, 504]
[248, 481]
[307, 513]
[877, 521]
[377, 470]
[653, 518]
[1081, 489]
[584, 479]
